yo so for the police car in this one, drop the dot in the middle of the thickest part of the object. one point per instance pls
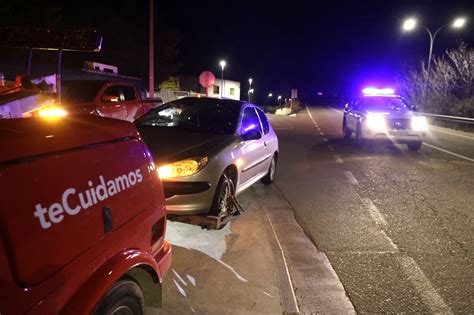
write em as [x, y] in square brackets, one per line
[380, 114]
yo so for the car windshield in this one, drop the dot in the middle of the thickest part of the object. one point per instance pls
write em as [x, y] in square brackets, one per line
[80, 91]
[384, 104]
[212, 116]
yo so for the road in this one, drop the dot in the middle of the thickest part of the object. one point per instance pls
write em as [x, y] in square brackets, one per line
[397, 226]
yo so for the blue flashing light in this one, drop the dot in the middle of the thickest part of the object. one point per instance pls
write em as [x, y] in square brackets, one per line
[376, 91]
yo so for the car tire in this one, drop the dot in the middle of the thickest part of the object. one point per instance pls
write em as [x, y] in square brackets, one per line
[346, 131]
[125, 297]
[270, 176]
[414, 146]
[359, 140]
[221, 204]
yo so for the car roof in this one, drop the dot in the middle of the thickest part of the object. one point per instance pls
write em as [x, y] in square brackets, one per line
[210, 100]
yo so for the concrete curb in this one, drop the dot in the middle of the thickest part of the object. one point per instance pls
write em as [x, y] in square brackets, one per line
[316, 285]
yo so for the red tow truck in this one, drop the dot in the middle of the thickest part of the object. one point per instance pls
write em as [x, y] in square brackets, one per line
[82, 218]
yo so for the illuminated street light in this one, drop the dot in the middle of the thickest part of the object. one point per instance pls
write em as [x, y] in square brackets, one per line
[411, 24]
[459, 22]
[270, 95]
[222, 63]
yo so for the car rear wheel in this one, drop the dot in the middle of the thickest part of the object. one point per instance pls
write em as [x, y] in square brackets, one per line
[414, 146]
[346, 131]
[270, 177]
[124, 298]
[359, 140]
[223, 203]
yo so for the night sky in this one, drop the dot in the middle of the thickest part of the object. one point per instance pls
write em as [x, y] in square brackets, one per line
[310, 45]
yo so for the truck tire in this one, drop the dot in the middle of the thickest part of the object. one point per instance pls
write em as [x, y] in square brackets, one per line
[124, 298]
[359, 140]
[270, 176]
[414, 146]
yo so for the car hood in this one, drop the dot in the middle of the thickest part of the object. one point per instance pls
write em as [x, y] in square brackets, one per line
[171, 144]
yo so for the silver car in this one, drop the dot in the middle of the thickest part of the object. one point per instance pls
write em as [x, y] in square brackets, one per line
[384, 117]
[208, 150]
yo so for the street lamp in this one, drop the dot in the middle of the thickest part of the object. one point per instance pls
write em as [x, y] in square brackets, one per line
[222, 63]
[411, 23]
[250, 87]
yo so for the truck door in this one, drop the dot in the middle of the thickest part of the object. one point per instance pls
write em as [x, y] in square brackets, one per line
[132, 103]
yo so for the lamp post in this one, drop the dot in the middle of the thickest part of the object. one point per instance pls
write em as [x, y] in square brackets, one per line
[250, 88]
[250, 94]
[222, 63]
[411, 23]
[279, 101]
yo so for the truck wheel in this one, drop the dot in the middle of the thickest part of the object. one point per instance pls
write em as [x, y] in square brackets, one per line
[414, 146]
[358, 137]
[270, 177]
[124, 298]
[222, 203]
[346, 131]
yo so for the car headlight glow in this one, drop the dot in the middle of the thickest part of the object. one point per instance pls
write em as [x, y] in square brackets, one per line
[419, 123]
[182, 168]
[376, 123]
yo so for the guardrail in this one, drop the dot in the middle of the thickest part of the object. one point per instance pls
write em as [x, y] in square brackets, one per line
[463, 120]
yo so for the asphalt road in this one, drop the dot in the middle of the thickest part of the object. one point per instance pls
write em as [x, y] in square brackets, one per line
[397, 226]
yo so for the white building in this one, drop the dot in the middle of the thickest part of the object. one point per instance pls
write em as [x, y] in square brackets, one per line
[231, 89]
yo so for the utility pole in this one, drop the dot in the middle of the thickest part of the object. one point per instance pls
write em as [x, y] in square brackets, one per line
[151, 85]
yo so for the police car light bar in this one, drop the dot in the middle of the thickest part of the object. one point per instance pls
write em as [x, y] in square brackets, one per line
[376, 91]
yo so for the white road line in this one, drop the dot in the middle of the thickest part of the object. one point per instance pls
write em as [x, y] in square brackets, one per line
[374, 212]
[330, 147]
[395, 247]
[338, 159]
[311, 116]
[351, 178]
[450, 132]
[321, 134]
[325, 140]
[448, 152]
[422, 284]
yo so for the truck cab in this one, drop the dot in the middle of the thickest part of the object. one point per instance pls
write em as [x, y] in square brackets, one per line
[82, 217]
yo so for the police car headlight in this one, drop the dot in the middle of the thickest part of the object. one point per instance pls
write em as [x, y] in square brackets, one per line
[376, 123]
[419, 123]
[52, 111]
[182, 168]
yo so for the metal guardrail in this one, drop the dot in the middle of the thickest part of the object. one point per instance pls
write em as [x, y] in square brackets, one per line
[464, 120]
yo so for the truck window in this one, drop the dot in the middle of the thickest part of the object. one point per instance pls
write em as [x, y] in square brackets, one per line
[128, 93]
[112, 94]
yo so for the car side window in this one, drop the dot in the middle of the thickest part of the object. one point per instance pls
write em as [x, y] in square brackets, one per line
[264, 120]
[356, 105]
[128, 93]
[112, 94]
[250, 121]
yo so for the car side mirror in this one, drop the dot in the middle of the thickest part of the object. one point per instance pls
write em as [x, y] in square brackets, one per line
[252, 135]
[109, 98]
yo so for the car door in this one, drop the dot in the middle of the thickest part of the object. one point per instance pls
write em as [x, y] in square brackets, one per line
[352, 116]
[131, 103]
[269, 139]
[252, 151]
[111, 103]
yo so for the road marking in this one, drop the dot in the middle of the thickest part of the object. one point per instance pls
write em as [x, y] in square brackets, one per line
[448, 152]
[325, 140]
[311, 116]
[450, 132]
[351, 178]
[422, 284]
[374, 212]
[321, 134]
[395, 247]
[338, 159]
[330, 147]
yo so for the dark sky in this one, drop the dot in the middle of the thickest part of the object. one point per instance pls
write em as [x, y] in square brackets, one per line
[309, 45]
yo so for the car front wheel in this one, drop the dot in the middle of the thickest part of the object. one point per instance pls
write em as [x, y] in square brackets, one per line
[223, 203]
[358, 137]
[414, 146]
[346, 131]
[124, 298]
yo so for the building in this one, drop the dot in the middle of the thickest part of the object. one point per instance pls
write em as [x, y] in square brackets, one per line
[231, 89]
